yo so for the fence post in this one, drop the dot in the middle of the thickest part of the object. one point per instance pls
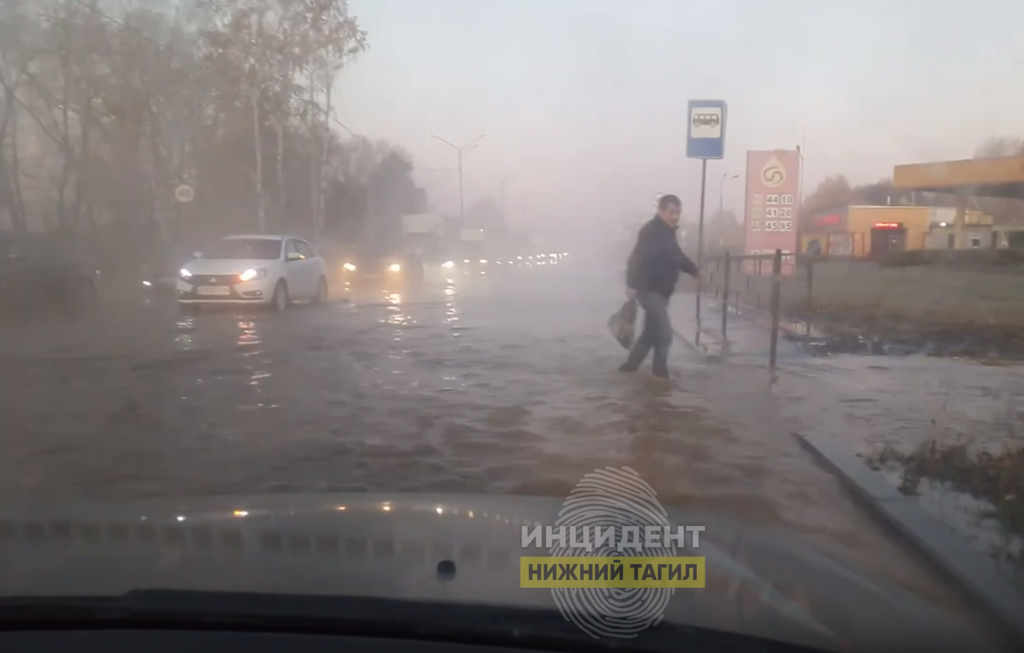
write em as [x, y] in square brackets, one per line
[808, 311]
[725, 292]
[776, 292]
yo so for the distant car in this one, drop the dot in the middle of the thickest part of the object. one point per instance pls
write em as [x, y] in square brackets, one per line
[379, 269]
[159, 284]
[466, 259]
[161, 277]
[259, 270]
[44, 269]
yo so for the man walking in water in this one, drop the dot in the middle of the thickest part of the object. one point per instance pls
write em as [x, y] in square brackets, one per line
[651, 275]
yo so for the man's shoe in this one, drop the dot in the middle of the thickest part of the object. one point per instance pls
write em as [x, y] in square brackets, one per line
[626, 367]
[662, 376]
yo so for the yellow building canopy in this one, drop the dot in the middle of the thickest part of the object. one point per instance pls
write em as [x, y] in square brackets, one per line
[995, 177]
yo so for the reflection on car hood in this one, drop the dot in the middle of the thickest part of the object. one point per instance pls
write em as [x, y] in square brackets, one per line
[388, 545]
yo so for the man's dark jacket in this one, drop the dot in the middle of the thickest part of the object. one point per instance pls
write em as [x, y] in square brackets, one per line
[657, 259]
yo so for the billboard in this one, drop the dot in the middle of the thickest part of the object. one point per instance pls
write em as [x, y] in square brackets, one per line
[770, 206]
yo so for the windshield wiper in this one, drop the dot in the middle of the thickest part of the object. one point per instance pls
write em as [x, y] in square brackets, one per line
[361, 616]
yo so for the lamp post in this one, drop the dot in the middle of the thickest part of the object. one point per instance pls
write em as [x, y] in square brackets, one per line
[721, 191]
[459, 150]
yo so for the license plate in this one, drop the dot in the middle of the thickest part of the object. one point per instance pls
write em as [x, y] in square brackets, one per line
[215, 291]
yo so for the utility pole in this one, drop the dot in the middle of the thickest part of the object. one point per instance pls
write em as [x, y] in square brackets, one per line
[504, 215]
[459, 150]
[721, 191]
[799, 217]
[800, 149]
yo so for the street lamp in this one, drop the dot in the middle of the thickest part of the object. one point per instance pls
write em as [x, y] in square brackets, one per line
[721, 191]
[504, 221]
[465, 148]
[800, 190]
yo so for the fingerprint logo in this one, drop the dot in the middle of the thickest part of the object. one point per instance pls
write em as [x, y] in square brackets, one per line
[773, 173]
[613, 498]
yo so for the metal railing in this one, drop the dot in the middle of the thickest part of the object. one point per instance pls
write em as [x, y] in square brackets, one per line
[760, 283]
[836, 301]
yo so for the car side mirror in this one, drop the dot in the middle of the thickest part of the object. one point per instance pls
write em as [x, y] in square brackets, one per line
[197, 255]
[294, 256]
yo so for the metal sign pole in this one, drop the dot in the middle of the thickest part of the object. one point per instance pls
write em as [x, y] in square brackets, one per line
[705, 139]
[700, 231]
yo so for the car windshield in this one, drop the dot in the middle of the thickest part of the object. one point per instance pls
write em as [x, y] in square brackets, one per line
[245, 248]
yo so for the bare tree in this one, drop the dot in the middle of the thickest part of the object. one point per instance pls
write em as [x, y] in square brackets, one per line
[122, 100]
[17, 53]
[831, 192]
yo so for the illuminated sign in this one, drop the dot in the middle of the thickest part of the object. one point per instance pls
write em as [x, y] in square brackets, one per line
[888, 225]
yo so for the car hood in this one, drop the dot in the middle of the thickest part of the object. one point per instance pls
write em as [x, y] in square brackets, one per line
[389, 545]
[225, 265]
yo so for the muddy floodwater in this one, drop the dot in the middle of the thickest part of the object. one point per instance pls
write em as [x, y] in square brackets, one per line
[502, 384]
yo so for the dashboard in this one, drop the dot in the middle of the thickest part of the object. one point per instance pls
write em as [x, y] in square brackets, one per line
[166, 641]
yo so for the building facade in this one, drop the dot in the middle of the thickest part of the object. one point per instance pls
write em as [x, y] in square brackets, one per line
[871, 231]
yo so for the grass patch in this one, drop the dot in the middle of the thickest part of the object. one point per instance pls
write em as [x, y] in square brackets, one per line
[995, 478]
[965, 303]
[964, 258]
[1002, 328]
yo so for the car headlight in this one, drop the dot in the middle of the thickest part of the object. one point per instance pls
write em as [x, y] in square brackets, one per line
[448, 264]
[185, 274]
[349, 267]
[252, 275]
[395, 267]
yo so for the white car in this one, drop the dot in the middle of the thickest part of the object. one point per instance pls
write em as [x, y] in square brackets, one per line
[260, 270]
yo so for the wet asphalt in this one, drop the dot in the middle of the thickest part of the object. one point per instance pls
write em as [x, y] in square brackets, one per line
[504, 383]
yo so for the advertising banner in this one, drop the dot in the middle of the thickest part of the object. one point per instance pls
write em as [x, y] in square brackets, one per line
[770, 207]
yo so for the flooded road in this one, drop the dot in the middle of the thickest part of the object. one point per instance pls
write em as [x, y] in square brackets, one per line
[876, 404]
[502, 385]
[873, 404]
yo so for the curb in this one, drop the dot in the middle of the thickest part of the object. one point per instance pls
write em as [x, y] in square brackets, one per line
[958, 560]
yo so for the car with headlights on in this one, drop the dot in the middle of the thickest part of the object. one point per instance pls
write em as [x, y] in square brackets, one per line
[256, 270]
[466, 258]
[381, 270]
[160, 271]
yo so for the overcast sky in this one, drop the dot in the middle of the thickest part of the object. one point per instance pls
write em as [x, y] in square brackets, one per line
[584, 101]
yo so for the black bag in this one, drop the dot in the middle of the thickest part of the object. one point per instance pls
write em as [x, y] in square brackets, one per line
[623, 324]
